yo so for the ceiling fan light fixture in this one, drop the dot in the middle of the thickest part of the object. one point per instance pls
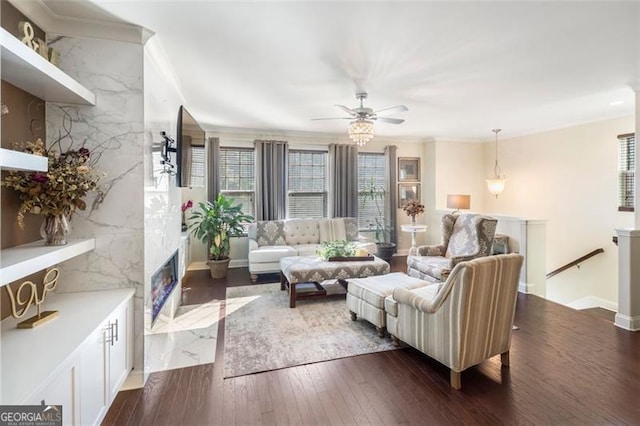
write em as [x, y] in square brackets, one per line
[361, 131]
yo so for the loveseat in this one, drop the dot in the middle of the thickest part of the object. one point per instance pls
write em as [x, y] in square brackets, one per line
[273, 239]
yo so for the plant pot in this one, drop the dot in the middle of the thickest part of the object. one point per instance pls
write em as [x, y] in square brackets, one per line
[218, 268]
[385, 251]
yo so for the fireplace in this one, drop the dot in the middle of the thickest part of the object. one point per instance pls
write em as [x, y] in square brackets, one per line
[163, 281]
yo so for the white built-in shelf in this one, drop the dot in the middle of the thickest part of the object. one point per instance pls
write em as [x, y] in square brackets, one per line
[16, 160]
[26, 69]
[29, 357]
[21, 261]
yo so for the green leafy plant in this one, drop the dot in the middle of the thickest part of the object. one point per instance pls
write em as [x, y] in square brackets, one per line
[214, 223]
[336, 248]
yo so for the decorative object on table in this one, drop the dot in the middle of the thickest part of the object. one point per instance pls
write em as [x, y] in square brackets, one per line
[337, 248]
[60, 191]
[21, 301]
[413, 208]
[458, 202]
[407, 192]
[377, 195]
[408, 169]
[213, 224]
[184, 208]
[496, 184]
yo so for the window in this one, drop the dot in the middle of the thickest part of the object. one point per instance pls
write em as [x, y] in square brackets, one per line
[371, 174]
[237, 176]
[307, 196]
[626, 171]
[198, 154]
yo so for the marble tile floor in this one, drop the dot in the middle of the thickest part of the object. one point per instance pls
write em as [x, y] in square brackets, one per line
[186, 340]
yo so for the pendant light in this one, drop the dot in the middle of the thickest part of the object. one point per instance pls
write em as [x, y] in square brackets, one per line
[496, 184]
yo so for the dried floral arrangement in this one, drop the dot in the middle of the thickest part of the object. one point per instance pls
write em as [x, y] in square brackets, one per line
[413, 208]
[71, 175]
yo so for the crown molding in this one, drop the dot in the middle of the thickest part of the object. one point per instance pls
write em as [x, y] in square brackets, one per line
[45, 18]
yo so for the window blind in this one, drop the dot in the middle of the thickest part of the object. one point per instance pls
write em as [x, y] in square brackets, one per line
[307, 186]
[626, 171]
[371, 172]
[198, 155]
[237, 176]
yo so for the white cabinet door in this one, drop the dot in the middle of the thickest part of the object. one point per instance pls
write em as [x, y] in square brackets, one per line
[94, 397]
[62, 391]
[118, 348]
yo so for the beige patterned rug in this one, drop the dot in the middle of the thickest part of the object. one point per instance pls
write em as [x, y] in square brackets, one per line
[262, 333]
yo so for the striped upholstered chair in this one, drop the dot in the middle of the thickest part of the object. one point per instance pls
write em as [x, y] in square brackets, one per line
[464, 320]
[464, 237]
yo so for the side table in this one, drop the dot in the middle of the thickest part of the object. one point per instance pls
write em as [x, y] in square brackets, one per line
[414, 229]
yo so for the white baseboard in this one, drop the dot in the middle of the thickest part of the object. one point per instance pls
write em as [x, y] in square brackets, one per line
[628, 323]
[240, 263]
[198, 266]
[403, 252]
[593, 302]
[525, 288]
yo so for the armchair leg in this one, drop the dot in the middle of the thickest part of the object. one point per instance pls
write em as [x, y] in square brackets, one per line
[455, 380]
[254, 278]
[354, 316]
[395, 341]
[504, 358]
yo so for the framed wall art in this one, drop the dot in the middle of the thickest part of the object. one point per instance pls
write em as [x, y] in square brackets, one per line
[406, 192]
[408, 169]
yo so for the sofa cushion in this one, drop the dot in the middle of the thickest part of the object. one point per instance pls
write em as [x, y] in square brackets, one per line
[373, 290]
[351, 228]
[307, 249]
[332, 230]
[270, 233]
[270, 254]
[302, 231]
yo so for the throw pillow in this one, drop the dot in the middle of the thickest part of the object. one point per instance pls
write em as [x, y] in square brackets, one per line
[332, 230]
[270, 233]
[351, 228]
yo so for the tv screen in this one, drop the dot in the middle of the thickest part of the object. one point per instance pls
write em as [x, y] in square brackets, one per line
[190, 136]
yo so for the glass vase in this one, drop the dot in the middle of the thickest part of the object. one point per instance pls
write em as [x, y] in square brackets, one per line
[54, 230]
[413, 219]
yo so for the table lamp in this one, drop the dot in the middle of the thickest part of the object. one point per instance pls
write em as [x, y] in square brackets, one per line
[458, 201]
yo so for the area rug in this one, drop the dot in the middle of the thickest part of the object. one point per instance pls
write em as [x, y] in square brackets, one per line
[262, 333]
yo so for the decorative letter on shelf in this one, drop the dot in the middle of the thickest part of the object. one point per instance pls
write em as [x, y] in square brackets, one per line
[40, 46]
[27, 294]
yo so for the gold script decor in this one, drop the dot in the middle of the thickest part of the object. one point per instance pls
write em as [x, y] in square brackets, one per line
[27, 295]
[61, 190]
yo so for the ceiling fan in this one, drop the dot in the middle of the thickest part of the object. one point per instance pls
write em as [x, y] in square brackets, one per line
[362, 113]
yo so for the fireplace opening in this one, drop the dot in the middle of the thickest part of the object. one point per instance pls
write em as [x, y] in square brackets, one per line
[163, 282]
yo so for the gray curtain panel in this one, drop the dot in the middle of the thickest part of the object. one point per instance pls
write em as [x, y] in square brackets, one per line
[213, 169]
[391, 209]
[271, 179]
[343, 180]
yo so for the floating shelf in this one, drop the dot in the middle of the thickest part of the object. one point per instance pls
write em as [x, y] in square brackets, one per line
[20, 261]
[24, 68]
[16, 160]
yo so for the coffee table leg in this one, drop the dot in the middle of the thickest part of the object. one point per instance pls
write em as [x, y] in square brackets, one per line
[292, 295]
[381, 331]
[282, 281]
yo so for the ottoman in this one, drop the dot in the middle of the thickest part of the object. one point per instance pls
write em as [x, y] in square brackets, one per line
[365, 296]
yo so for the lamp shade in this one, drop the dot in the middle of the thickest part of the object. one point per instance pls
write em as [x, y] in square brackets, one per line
[496, 185]
[458, 201]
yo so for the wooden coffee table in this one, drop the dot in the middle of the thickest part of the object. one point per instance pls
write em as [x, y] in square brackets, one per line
[303, 275]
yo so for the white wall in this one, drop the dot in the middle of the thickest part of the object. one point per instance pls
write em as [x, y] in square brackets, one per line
[569, 178]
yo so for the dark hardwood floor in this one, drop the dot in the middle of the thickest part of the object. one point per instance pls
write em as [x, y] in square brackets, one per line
[567, 367]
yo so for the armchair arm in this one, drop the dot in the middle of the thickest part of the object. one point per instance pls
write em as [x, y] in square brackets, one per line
[429, 305]
[428, 250]
[253, 245]
[457, 259]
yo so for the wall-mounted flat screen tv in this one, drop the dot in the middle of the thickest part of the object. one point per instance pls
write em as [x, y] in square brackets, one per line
[189, 136]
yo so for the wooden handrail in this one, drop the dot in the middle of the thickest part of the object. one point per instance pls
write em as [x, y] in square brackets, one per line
[575, 262]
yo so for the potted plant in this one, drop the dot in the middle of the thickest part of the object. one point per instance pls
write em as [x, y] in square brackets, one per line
[381, 228]
[214, 223]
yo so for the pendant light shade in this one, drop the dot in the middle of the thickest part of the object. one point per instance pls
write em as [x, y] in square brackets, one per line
[497, 182]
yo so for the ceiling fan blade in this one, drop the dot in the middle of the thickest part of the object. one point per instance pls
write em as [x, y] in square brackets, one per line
[333, 118]
[347, 110]
[390, 110]
[390, 120]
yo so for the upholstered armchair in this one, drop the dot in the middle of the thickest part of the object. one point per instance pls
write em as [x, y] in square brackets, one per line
[464, 320]
[464, 237]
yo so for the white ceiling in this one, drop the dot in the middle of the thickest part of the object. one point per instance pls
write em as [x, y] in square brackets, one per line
[462, 68]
